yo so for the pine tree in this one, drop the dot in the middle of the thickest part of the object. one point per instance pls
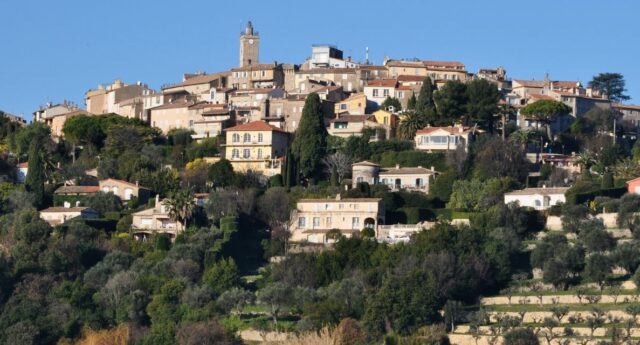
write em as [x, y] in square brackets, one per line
[310, 142]
[34, 183]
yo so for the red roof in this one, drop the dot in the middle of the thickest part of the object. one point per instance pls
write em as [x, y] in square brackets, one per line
[255, 126]
[538, 97]
[23, 165]
[405, 77]
[443, 63]
[383, 82]
[124, 183]
[565, 84]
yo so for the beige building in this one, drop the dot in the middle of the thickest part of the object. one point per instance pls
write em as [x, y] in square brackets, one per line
[345, 126]
[397, 178]
[257, 76]
[105, 100]
[314, 218]
[55, 115]
[354, 104]
[205, 119]
[125, 190]
[196, 87]
[443, 138]
[60, 215]
[286, 112]
[348, 78]
[155, 220]
[256, 146]
[439, 71]
[253, 104]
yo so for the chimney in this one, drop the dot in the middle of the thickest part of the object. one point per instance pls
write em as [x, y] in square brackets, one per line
[338, 197]
[157, 200]
[137, 183]
[397, 166]
[433, 169]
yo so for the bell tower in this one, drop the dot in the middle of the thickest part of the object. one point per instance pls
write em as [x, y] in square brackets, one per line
[249, 46]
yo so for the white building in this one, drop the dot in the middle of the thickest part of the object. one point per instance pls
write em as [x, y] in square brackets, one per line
[443, 138]
[397, 178]
[60, 215]
[537, 198]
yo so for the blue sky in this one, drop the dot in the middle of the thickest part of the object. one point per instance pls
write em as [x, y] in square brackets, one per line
[56, 50]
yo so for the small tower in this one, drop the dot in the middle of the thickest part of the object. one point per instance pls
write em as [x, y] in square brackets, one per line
[249, 43]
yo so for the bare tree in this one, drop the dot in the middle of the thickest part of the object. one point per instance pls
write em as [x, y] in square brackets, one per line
[340, 162]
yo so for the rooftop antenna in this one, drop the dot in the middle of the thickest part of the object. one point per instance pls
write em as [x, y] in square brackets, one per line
[366, 56]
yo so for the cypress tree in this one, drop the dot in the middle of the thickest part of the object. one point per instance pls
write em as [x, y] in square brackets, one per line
[425, 104]
[411, 103]
[289, 171]
[34, 183]
[310, 142]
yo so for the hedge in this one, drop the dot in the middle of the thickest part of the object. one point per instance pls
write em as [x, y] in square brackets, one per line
[449, 214]
[581, 198]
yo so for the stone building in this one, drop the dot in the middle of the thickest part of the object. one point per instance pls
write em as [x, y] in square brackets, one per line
[249, 46]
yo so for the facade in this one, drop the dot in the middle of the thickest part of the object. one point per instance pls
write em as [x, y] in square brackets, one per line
[348, 78]
[125, 190]
[155, 220]
[194, 87]
[257, 76]
[537, 198]
[256, 146]
[378, 90]
[105, 100]
[397, 178]
[345, 126]
[443, 138]
[628, 112]
[354, 104]
[285, 113]
[68, 196]
[314, 218]
[204, 118]
[60, 215]
[253, 104]
[249, 46]
[56, 122]
[439, 71]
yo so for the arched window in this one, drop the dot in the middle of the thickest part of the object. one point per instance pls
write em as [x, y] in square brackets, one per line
[247, 137]
[235, 153]
[236, 137]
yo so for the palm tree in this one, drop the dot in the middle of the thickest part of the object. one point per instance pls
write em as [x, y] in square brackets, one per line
[522, 137]
[586, 159]
[410, 124]
[181, 206]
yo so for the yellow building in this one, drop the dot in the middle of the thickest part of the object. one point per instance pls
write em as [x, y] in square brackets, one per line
[355, 104]
[256, 146]
[386, 118]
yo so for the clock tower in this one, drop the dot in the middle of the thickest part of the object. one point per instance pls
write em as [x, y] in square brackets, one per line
[249, 46]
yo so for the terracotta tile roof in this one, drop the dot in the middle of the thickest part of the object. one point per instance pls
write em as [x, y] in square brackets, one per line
[23, 165]
[625, 106]
[565, 84]
[64, 209]
[351, 118]
[539, 97]
[77, 189]
[431, 63]
[367, 163]
[531, 83]
[404, 88]
[255, 126]
[199, 79]
[126, 183]
[450, 129]
[216, 111]
[404, 63]
[416, 78]
[383, 82]
[543, 191]
[372, 67]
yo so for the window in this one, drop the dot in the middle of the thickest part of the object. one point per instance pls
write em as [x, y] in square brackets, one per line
[302, 222]
[235, 153]
[343, 107]
[259, 153]
[375, 92]
[360, 179]
[401, 94]
[264, 73]
[247, 137]
[344, 76]
[246, 153]
[439, 139]
[339, 125]
[355, 223]
[316, 222]
[235, 138]
[259, 137]
[385, 92]
[328, 222]
[386, 120]
[190, 123]
[425, 139]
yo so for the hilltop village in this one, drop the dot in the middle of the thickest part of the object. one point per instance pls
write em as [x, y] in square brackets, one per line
[331, 201]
